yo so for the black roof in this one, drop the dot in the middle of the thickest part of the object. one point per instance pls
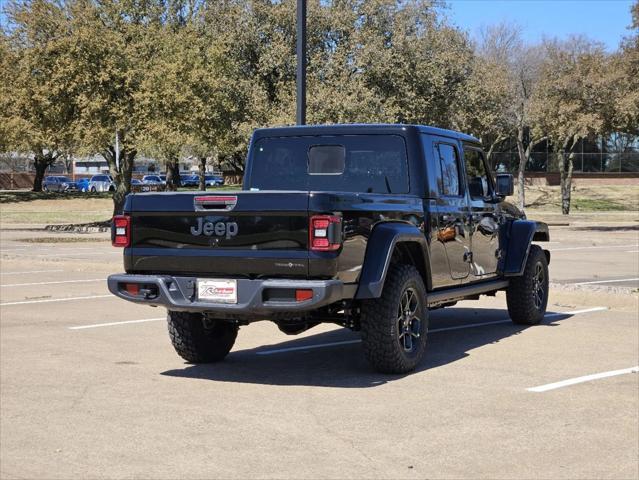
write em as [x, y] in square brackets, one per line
[358, 128]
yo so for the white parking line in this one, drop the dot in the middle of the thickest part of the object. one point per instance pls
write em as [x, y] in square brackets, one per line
[445, 329]
[30, 271]
[607, 281]
[53, 283]
[575, 312]
[50, 300]
[586, 378]
[111, 324]
[307, 347]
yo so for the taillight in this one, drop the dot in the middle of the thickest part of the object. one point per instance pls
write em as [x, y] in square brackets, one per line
[325, 233]
[121, 231]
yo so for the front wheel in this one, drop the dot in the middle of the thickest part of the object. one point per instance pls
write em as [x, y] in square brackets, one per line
[395, 326]
[527, 296]
[199, 340]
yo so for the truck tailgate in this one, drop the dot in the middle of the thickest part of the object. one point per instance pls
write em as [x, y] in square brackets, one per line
[230, 234]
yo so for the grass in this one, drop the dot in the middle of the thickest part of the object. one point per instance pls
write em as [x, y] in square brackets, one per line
[18, 196]
[591, 198]
[597, 205]
[20, 207]
[62, 240]
[26, 207]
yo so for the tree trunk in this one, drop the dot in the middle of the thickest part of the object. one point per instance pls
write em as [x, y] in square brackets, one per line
[121, 174]
[202, 172]
[523, 158]
[565, 172]
[172, 174]
[42, 161]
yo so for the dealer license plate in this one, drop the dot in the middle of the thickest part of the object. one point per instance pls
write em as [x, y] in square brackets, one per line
[218, 291]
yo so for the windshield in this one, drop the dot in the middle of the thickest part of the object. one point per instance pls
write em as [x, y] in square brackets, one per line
[348, 163]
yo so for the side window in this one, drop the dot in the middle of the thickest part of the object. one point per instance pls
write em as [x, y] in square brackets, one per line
[479, 185]
[448, 159]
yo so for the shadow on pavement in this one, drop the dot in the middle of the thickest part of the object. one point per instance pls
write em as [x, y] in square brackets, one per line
[344, 366]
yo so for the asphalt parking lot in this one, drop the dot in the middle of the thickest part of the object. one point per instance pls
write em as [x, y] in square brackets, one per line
[91, 387]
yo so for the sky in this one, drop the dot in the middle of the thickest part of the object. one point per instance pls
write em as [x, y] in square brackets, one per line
[603, 20]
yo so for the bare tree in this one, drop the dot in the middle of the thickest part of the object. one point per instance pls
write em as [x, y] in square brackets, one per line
[502, 45]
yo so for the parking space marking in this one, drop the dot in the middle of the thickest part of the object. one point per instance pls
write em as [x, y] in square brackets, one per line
[30, 271]
[50, 300]
[307, 347]
[53, 283]
[585, 378]
[111, 324]
[444, 329]
[607, 281]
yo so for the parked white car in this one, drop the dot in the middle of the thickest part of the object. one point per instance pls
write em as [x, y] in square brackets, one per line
[153, 180]
[101, 183]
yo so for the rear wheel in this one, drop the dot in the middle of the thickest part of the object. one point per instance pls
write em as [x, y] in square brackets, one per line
[199, 340]
[395, 326]
[527, 296]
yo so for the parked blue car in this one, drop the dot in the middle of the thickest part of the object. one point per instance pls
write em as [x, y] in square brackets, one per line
[83, 184]
[190, 180]
[213, 180]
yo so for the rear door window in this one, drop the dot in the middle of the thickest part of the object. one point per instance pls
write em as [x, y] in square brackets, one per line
[448, 182]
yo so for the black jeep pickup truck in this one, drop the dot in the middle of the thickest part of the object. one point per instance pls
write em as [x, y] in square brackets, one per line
[365, 226]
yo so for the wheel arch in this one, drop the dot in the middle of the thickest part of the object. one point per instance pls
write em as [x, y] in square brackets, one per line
[392, 242]
[516, 244]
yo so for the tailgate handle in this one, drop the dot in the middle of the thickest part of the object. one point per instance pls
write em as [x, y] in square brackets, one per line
[221, 203]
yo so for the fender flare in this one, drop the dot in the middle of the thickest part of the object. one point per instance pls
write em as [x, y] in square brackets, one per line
[518, 238]
[379, 252]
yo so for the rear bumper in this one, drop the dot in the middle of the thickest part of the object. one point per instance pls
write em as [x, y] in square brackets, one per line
[179, 294]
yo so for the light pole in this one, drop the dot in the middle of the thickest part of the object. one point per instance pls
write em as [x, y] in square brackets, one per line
[301, 62]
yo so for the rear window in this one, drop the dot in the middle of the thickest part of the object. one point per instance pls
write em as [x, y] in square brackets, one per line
[349, 163]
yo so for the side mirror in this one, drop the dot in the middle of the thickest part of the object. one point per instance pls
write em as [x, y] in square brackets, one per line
[504, 185]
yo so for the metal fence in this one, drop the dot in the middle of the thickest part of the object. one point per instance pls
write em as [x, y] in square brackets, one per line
[625, 162]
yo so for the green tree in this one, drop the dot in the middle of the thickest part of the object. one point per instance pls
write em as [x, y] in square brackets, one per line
[112, 48]
[573, 100]
[38, 104]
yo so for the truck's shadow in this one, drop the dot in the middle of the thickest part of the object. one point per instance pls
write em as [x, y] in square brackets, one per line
[344, 365]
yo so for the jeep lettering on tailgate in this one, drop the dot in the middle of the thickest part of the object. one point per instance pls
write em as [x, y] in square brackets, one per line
[219, 229]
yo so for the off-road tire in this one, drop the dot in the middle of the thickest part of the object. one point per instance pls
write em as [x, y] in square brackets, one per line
[526, 303]
[199, 342]
[380, 325]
